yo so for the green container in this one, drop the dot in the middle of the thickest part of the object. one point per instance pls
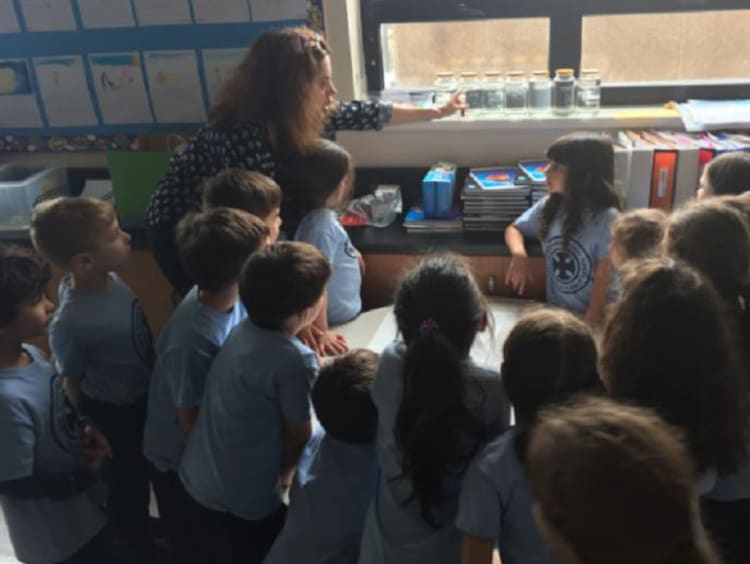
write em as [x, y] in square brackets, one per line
[134, 177]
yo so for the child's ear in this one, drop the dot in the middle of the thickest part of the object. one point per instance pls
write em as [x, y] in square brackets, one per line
[81, 262]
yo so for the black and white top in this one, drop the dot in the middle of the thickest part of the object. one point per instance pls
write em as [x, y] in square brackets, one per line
[246, 146]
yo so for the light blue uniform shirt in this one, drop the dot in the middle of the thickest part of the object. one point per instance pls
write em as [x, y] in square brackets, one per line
[322, 229]
[184, 352]
[570, 272]
[102, 340]
[259, 380]
[332, 489]
[496, 503]
[395, 532]
[40, 431]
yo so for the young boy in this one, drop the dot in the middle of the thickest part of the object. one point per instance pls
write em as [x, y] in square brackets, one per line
[249, 191]
[255, 416]
[50, 456]
[213, 246]
[636, 234]
[338, 473]
[102, 346]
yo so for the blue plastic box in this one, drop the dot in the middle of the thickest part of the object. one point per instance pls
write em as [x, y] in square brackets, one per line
[438, 186]
[21, 186]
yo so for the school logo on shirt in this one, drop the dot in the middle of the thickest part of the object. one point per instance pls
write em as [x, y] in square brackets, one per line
[67, 427]
[349, 249]
[572, 267]
[143, 342]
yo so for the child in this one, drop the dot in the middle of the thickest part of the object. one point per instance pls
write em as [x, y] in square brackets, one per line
[727, 174]
[102, 345]
[714, 238]
[320, 181]
[249, 191]
[436, 409]
[636, 234]
[614, 484]
[255, 416]
[548, 356]
[50, 457]
[213, 247]
[337, 476]
[667, 347]
[573, 225]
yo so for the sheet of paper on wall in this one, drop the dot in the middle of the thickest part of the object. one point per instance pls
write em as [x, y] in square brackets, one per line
[47, 15]
[65, 94]
[218, 65]
[120, 88]
[175, 87]
[8, 17]
[18, 107]
[220, 11]
[106, 13]
[162, 12]
[278, 10]
[99, 188]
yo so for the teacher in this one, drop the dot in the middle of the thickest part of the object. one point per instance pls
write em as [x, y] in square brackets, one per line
[277, 103]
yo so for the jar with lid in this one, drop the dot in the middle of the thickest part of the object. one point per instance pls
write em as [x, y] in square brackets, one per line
[444, 87]
[472, 89]
[564, 92]
[588, 91]
[516, 92]
[540, 92]
[493, 89]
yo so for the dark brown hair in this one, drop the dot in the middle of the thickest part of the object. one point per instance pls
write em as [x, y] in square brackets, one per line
[438, 310]
[615, 484]
[341, 397]
[589, 183]
[281, 280]
[639, 232]
[274, 85]
[214, 244]
[729, 174]
[666, 346]
[64, 227]
[245, 190]
[23, 276]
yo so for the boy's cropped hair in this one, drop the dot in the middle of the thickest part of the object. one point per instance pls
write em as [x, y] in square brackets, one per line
[23, 276]
[63, 227]
[639, 232]
[245, 190]
[281, 280]
[215, 244]
[341, 397]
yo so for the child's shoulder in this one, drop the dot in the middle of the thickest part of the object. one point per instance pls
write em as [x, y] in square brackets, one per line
[499, 458]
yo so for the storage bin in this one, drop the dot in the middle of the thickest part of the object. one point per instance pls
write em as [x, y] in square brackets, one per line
[22, 186]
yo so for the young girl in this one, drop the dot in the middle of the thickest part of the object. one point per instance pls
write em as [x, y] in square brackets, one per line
[573, 225]
[667, 346]
[714, 238]
[435, 410]
[727, 174]
[614, 484]
[320, 180]
[548, 356]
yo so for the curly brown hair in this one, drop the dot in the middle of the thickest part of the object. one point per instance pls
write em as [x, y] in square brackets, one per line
[273, 85]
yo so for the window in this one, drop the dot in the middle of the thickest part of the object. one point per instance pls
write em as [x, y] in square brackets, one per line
[647, 51]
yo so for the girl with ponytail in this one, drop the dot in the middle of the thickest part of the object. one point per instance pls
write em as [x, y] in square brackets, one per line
[436, 409]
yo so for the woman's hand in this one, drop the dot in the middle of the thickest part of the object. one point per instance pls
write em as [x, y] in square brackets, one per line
[96, 449]
[518, 273]
[456, 103]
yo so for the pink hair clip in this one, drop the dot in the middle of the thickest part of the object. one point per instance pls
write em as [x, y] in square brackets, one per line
[428, 325]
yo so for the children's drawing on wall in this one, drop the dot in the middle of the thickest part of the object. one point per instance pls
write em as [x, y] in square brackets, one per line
[218, 65]
[18, 107]
[120, 88]
[65, 94]
[175, 87]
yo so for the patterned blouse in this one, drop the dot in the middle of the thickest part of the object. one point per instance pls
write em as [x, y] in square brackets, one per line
[245, 146]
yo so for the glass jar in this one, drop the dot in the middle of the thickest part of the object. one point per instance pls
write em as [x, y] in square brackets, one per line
[564, 92]
[589, 92]
[472, 88]
[516, 92]
[540, 92]
[493, 89]
[444, 87]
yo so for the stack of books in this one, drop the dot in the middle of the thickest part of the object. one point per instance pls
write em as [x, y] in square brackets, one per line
[416, 222]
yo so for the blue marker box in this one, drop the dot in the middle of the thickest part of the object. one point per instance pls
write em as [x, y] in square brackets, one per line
[438, 186]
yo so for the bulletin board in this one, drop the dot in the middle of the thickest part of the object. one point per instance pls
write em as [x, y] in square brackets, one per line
[79, 75]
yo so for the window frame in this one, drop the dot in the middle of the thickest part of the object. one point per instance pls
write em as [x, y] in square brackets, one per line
[566, 22]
